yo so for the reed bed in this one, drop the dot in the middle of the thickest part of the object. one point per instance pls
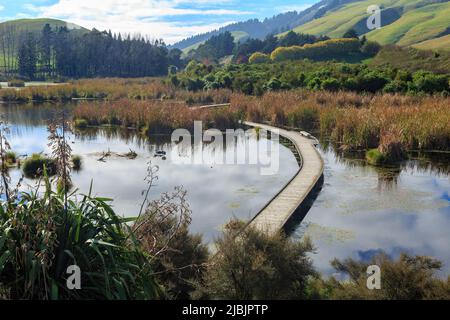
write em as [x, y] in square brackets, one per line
[353, 121]
[356, 121]
[114, 89]
[152, 117]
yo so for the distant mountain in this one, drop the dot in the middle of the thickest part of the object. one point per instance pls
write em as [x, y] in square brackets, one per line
[260, 29]
[416, 23]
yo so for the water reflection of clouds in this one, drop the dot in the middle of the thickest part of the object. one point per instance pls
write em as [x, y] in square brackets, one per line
[211, 188]
[411, 217]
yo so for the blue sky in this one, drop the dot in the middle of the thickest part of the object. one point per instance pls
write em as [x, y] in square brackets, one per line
[171, 20]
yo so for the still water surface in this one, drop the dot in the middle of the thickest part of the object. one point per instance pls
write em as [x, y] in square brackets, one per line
[360, 211]
[363, 210]
[216, 193]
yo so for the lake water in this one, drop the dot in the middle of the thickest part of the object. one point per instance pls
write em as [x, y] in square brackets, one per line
[31, 84]
[360, 211]
[216, 193]
[363, 210]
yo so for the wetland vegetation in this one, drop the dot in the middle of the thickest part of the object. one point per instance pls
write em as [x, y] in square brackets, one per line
[384, 134]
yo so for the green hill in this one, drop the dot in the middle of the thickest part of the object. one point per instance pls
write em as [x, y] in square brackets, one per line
[442, 43]
[36, 25]
[412, 59]
[12, 32]
[405, 22]
[238, 36]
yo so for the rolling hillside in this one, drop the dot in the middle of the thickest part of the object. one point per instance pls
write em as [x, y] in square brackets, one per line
[12, 33]
[260, 29]
[36, 25]
[442, 43]
[405, 22]
[237, 35]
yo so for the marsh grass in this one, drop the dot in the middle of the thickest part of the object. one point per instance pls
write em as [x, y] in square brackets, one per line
[76, 162]
[353, 121]
[16, 83]
[11, 158]
[153, 117]
[357, 122]
[113, 89]
[34, 166]
[375, 157]
[81, 124]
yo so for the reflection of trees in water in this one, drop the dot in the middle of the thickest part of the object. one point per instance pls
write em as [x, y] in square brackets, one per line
[31, 115]
[126, 135]
[437, 163]
[429, 163]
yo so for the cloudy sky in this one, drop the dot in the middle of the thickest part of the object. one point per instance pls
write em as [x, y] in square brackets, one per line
[171, 20]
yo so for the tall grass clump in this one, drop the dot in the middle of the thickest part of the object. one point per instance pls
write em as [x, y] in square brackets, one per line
[34, 166]
[153, 117]
[40, 237]
[11, 157]
[375, 157]
[76, 162]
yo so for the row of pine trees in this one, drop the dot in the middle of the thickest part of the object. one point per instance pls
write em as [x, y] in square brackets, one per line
[61, 52]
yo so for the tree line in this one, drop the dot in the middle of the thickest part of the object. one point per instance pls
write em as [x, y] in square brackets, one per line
[224, 44]
[60, 53]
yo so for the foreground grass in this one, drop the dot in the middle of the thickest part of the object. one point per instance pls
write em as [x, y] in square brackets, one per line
[40, 239]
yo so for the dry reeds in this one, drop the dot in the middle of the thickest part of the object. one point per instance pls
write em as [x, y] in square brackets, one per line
[356, 121]
[113, 89]
[153, 117]
[352, 120]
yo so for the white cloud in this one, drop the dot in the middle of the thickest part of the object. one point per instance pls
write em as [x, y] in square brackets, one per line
[138, 16]
[2, 7]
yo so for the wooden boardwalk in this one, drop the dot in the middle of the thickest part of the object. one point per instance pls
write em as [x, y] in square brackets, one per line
[279, 210]
[274, 216]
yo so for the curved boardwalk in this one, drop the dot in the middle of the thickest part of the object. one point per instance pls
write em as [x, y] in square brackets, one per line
[276, 214]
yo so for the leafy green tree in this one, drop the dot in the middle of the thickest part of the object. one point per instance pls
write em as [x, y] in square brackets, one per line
[216, 47]
[370, 48]
[331, 84]
[428, 82]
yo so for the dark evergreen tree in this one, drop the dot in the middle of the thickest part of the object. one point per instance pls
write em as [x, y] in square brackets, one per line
[27, 57]
[45, 49]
